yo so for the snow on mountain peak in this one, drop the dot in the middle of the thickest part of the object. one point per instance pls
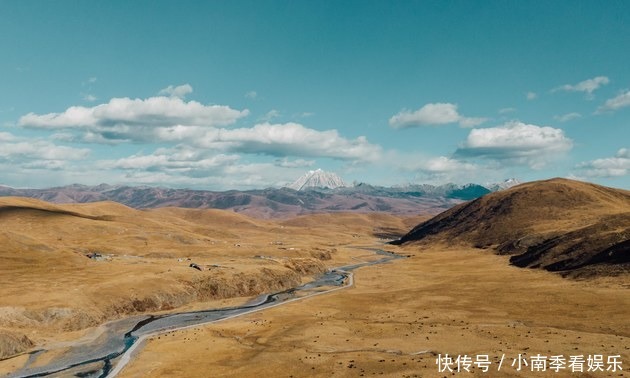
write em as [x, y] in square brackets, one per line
[317, 179]
[506, 184]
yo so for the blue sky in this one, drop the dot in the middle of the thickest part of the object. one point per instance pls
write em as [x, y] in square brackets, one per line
[249, 94]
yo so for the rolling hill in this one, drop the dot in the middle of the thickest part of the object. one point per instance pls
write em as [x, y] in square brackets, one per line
[557, 225]
[65, 268]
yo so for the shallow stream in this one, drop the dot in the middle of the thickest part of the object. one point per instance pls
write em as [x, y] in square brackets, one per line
[99, 357]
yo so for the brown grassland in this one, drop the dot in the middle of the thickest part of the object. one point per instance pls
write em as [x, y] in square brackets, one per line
[447, 297]
[399, 316]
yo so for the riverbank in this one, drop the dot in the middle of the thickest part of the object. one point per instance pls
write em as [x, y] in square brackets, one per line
[399, 317]
[57, 285]
[111, 350]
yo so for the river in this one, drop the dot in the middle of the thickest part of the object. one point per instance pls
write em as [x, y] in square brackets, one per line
[108, 353]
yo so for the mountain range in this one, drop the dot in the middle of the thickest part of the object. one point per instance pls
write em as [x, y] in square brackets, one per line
[273, 202]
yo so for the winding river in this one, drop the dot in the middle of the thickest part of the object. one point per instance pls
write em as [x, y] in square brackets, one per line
[106, 355]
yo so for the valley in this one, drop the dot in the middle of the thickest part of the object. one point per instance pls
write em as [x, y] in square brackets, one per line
[76, 275]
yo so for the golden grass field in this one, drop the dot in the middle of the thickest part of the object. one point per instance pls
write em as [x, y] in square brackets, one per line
[443, 299]
[50, 291]
[399, 316]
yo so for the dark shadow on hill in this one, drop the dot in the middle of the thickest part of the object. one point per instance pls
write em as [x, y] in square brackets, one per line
[558, 225]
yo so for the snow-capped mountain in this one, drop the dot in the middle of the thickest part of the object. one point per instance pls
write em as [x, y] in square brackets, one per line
[318, 179]
[495, 187]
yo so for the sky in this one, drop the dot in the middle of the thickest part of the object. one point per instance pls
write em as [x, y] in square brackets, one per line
[222, 95]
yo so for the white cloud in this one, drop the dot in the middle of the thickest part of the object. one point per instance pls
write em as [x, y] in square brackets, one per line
[180, 91]
[272, 114]
[40, 149]
[241, 176]
[184, 166]
[36, 153]
[618, 165]
[89, 97]
[621, 101]
[181, 160]
[516, 142]
[531, 95]
[290, 139]
[434, 169]
[507, 110]
[92, 79]
[587, 86]
[251, 95]
[433, 114]
[46, 165]
[471, 121]
[280, 140]
[125, 119]
[445, 164]
[567, 117]
[298, 163]
[6, 137]
[173, 120]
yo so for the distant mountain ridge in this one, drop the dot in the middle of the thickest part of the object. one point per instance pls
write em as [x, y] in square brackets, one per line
[271, 202]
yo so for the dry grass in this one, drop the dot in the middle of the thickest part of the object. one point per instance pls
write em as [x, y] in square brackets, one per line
[49, 289]
[399, 316]
[558, 225]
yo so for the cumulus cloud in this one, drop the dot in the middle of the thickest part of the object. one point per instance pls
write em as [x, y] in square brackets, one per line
[435, 169]
[298, 163]
[587, 86]
[125, 119]
[272, 114]
[36, 153]
[621, 101]
[180, 160]
[251, 95]
[531, 96]
[446, 164]
[6, 137]
[618, 165]
[179, 91]
[185, 166]
[567, 117]
[175, 121]
[290, 139]
[437, 165]
[215, 152]
[433, 114]
[517, 143]
[197, 147]
[40, 149]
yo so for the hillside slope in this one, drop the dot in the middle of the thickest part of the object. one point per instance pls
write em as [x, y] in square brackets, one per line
[557, 224]
[64, 268]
